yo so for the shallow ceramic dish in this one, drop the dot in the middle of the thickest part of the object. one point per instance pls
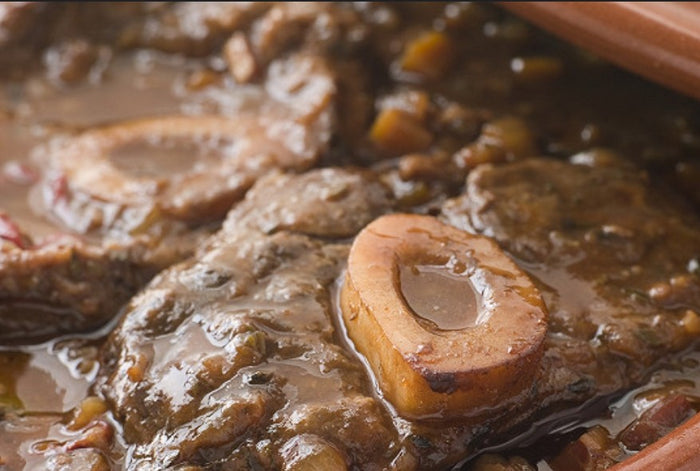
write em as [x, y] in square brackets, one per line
[659, 40]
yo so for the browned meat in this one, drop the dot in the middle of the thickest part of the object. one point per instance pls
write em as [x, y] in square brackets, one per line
[290, 203]
[145, 192]
[659, 420]
[26, 28]
[128, 131]
[611, 256]
[67, 286]
[18, 22]
[222, 323]
[241, 340]
[143, 176]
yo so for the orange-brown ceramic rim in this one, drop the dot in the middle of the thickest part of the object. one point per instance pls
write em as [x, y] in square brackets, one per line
[677, 451]
[661, 41]
[658, 40]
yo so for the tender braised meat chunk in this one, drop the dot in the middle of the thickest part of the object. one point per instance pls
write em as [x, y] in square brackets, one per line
[223, 349]
[659, 420]
[254, 32]
[27, 28]
[237, 152]
[71, 61]
[318, 26]
[17, 25]
[214, 343]
[190, 27]
[143, 176]
[16, 21]
[290, 203]
[592, 451]
[610, 255]
[83, 459]
[145, 192]
[66, 286]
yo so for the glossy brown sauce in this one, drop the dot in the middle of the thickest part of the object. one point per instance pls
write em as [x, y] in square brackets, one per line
[17, 174]
[132, 85]
[41, 382]
[446, 300]
[45, 382]
[164, 158]
[50, 379]
[681, 376]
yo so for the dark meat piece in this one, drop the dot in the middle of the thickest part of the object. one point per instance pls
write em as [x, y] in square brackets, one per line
[66, 286]
[290, 203]
[611, 256]
[597, 450]
[27, 27]
[498, 463]
[254, 33]
[322, 27]
[223, 349]
[84, 459]
[70, 61]
[137, 177]
[16, 20]
[237, 347]
[192, 28]
[145, 192]
[19, 35]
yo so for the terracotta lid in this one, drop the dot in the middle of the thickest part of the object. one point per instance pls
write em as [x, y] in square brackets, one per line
[659, 40]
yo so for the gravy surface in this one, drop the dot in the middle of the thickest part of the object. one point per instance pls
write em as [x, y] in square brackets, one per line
[446, 300]
[137, 336]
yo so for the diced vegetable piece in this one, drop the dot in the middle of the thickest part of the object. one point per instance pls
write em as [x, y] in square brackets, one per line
[312, 453]
[591, 452]
[89, 408]
[429, 55]
[691, 322]
[503, 139]
[396, 132]
[531, 70]
[512, 135]
[99, 435]
[414, 102]
[202, 78]
[240, 58]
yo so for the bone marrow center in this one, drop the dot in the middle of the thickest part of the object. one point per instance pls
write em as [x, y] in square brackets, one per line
[157, 158]
[448, 323]
[440, 297]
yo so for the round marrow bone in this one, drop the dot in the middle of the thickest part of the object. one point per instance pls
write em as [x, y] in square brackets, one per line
[429, 369]
[219, 159]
